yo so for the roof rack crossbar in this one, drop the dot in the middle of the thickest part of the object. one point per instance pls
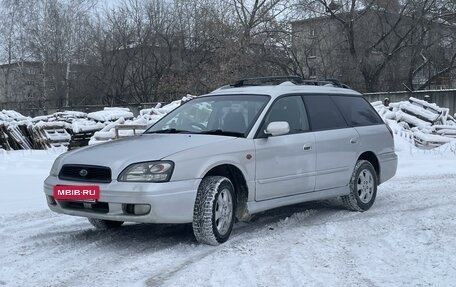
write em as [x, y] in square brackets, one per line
[333, 82]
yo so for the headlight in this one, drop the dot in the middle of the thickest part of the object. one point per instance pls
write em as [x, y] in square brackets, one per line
[55, 167]
[151, 171]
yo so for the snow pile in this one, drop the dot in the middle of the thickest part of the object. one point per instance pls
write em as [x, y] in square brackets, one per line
[107, 133]
[10, 115]
[111, 114]
[84, 125]
[423, 124]
[123, 127]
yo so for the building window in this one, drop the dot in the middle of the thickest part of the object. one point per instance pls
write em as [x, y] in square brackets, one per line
[312, 52]
[312, 73]
[313, 32]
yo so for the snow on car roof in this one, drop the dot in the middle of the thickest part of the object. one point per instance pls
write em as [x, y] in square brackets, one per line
[282, 89]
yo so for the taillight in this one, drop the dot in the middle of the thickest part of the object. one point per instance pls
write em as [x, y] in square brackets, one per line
[390, 130]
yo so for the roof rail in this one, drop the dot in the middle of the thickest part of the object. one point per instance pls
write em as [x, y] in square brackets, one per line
[275, 80]
[266, 80]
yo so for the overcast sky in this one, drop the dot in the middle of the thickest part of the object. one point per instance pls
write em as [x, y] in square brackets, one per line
[109, 3]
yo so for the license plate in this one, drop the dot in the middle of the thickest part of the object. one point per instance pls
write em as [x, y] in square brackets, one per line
[84, 193]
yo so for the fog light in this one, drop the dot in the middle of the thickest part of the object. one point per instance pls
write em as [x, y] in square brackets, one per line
[51, 200]
[141, 209]
[137, 209]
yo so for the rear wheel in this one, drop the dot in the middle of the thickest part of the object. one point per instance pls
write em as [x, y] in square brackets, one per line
[213, 214]
[104, 224]
[363, 187]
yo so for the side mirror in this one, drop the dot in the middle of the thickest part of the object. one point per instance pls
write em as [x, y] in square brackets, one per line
[277, 128]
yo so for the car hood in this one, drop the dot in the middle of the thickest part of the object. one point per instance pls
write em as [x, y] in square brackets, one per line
[148, 147]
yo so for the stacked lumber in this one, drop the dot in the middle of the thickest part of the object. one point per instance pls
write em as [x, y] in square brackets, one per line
[73, 129]
[126, 127]
[42, 132]
[13, 131]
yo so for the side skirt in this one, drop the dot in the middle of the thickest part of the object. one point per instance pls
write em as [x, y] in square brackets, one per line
[259, 206]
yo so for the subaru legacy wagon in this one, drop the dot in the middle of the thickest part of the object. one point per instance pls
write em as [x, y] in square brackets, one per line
[226, 155]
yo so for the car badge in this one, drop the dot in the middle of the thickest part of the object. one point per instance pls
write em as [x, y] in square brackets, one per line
[83, 172]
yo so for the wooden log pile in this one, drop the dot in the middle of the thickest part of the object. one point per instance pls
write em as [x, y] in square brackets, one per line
[430, 125]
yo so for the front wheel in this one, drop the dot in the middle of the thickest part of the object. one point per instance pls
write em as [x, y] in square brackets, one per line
[363, 187]
[213, 214]
[104, 224]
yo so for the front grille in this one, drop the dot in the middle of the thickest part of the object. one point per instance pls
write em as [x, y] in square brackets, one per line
[85, 173]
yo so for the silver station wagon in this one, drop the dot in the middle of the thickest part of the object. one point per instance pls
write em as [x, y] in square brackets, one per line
[237, 151]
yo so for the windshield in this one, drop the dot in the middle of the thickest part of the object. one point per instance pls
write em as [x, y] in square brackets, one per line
[231, 115]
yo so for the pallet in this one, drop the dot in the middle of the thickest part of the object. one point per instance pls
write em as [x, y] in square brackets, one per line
[4, 144]
[18, 137]
[80, 139]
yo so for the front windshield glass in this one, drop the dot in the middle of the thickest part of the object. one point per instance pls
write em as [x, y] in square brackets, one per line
[231, 115]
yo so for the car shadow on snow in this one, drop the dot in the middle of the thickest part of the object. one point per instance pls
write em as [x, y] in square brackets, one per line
[141, 235]
[160, 236]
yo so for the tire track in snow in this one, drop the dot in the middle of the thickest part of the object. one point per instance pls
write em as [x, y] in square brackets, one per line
[399, 211]
[302, 242]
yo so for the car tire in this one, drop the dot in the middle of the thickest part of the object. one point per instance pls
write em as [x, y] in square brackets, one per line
[363, 187]
[104, 224]
[213, 214]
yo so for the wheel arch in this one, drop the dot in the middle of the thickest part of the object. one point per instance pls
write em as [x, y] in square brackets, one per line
[237, 178]
[372, 158]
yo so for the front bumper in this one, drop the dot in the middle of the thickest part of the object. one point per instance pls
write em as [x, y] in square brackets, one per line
[170, 202]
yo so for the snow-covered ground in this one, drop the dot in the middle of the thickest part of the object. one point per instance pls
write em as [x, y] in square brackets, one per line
[406, 239]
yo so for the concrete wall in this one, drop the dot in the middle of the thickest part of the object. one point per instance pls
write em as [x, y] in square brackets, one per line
[443, 98]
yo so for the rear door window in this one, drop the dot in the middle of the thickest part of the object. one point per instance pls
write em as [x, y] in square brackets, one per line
[357, 111]
[324, 114]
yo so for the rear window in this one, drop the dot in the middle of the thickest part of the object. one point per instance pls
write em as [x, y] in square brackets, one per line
[357, 111]
[324, 115]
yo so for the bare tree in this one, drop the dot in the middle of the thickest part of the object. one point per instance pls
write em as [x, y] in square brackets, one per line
[434, 46]
[377, 36]
[13, 40]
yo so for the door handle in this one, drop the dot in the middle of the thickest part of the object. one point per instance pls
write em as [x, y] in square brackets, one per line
[354, 141]
[307, 147]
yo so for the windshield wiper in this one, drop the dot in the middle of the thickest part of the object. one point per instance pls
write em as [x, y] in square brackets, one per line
[167, 131]
[223, 133]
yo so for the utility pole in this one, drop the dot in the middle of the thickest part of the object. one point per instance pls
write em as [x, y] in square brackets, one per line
[44, 56]
[67, 79]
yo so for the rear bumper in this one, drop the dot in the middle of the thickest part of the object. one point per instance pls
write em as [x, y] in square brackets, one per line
[170, 202]
[388, 166]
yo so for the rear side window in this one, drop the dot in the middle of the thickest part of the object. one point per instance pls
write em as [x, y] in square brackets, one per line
[323, 113]
[357, 111]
